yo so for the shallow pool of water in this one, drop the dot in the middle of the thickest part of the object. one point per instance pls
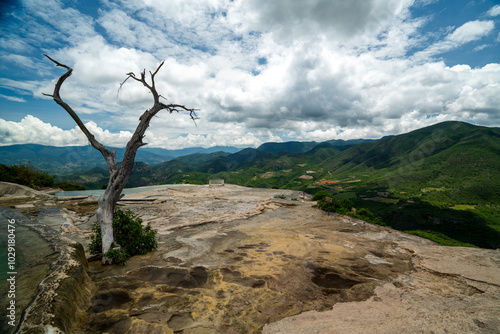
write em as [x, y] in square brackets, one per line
[31, 266]
[99, 192]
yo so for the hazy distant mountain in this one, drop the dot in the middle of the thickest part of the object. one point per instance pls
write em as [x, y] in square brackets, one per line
[289, 147]
[302, 147]
[350, 142]
[70, 159]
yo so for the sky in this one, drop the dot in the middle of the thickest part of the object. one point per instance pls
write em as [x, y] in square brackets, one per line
[256, 70]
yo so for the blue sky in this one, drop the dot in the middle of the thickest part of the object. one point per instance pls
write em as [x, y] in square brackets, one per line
[258, 70]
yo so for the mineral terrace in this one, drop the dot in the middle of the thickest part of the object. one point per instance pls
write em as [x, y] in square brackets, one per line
[240, 260]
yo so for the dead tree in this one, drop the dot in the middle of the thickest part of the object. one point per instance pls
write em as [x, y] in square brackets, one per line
[118, 176]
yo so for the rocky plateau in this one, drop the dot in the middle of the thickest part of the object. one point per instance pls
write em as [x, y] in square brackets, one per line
[241, 260]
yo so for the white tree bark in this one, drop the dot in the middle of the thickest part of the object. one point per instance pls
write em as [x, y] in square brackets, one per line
[118, 177]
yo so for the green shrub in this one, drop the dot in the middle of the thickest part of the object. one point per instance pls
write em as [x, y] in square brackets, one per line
[320, 195]
[346, 205]
[368, 216]
[365, 213]
[335, 205]
[118, 256]
[129, 233]
[343, 207]
[66, 186]
[332, 206]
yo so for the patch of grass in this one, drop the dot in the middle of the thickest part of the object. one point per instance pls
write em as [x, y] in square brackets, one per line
[429, 189]
[463, 207]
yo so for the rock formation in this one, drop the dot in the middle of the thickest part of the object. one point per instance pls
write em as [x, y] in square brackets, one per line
[239, 260]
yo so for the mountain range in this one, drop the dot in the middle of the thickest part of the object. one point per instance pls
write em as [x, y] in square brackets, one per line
[440, 182]
[442, 156]
[67, 160]
[71, 159]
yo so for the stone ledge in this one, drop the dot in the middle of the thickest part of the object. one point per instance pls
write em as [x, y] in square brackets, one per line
[64, 295]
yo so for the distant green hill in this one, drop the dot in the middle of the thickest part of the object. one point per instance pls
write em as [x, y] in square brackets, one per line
[452, 161]
[200, 158]
[303, 147]
[29, 176]
[288, 147]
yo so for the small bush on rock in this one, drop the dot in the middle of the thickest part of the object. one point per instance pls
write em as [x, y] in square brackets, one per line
[129, 233]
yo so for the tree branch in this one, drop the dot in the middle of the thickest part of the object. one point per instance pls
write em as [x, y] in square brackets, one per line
[157, 69]
[137, 138]
[110, 157]
[178, 108]
[58, 63]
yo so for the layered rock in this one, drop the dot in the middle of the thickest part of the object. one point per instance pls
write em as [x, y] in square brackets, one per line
[63, 296]
[59, 278]
[8, 189]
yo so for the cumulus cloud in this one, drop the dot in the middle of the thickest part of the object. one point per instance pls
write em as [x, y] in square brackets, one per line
[257, 70]
[32, 130]
[350, 91]
[338, 19]
[235, 136]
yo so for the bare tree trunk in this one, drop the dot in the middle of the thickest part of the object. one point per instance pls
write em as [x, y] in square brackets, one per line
[118, 177]
[105, 219]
